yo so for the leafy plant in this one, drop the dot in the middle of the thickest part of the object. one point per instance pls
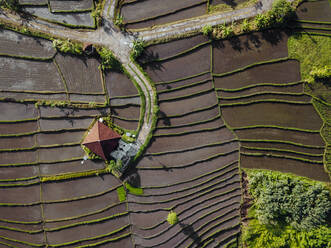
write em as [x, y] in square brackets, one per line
[262, 21]
[108, 60]
[207, 29]
[67, 46]
[137, 48]
[245, 26]
[172, 218]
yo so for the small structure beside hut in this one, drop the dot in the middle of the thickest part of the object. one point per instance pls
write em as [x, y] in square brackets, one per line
[101, 140]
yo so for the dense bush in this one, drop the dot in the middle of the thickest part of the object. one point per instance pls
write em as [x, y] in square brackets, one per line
[245, 26]
[320, 75]
[172, 218]
[108, 60]
[283, 200]
[207, 29]
[67, 46]
[137, 48]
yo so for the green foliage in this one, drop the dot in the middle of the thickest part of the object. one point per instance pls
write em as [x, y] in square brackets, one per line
[207, 29]
[108, 60]
[260, 236]
[10, 4]
[121, 193]
[320, 74]
[172, 218]
[133, 190]
[97, 13]
[286, 200]
[118, 21]
[227, 31]
[245, 26]
[67, 46]
[279, 15]
[137, 48]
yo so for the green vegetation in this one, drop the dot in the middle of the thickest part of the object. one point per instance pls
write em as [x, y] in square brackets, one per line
[245, 26]
[321, 75]
[118, 21]
[121, 193]
[9, 4]
[68, 46]
[172, 218]
[288, 211]
[108, 60]
[223, 31]
[97, 13]
[279, 15]
[137, 48]
[207, 29]
[133, 190]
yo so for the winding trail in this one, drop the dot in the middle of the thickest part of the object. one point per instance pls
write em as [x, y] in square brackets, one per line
[121, 42]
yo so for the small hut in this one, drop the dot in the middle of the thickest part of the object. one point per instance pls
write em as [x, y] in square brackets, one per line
[101, 140]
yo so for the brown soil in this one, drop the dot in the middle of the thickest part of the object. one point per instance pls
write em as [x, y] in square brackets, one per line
[23, 127]
[60, 153]
[59, 138]
[187, 157]
[281, 114]
[297, 88]
[37, 238]
[81, 74]
[165, 121]
[230, 3]
[65, 112]
[188, 104]
[119, 84]
[17, 111]
[67, 167]
[161, 144]
[17, 142]
[284, 147]
[33, 96]
[211, 124]
[129, 111]
[313, 171]
[58, 5]
[247, 199]
[130, 125]
[314, 11]
[31, 213]
[18, 157]
[87, 98]
[244, 50]
[279, 134]
[19, 74]
[46, 124]
[276, 73]
[294, 98]
[186, 91]
[17, 44]
[18, 172]
[168, 86]
[26, 194]
[187, 65]
[165, 50]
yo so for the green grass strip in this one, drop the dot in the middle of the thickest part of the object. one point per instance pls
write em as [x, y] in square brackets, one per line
[262, 93]
[281, 142]
[265, 101]
[69, 176]
[12, 185]
[276, 127]
[19, 121]
[124, 118]
[42, 59]
[8, 245]
[92, 238]
[22, 222]
[251, 66]
[35, 147]
[88, 222]
[19, 179]
[182, 79]
[21, 242]
[314, 22]
[259, 85]
[315, 28]
[121, 193]
[186, 96]
[133, 190]
[179, 54]
[283, 150]
[15, 229]
[282, 156]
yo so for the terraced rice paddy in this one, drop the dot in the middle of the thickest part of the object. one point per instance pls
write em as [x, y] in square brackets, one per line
[222, 105]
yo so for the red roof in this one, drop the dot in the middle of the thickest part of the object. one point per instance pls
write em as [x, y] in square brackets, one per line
[101, 140]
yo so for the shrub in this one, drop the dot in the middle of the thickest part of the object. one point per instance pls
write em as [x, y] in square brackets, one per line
[137, 48]
[10, 4]
[172, 218]
[67, 46]
[284, 200]
[97, 13]
[226, 31]
[245, 26]
[118, 21]
[262, 21]
[281, 12]
[108, 60]
[320, 75]
[207, 29]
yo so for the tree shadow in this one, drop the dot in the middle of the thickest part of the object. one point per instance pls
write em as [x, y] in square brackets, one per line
[231, 3]
[188, 230]
[148, 57]
[164, 118]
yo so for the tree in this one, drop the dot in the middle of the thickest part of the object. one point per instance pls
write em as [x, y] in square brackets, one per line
[172, 218]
